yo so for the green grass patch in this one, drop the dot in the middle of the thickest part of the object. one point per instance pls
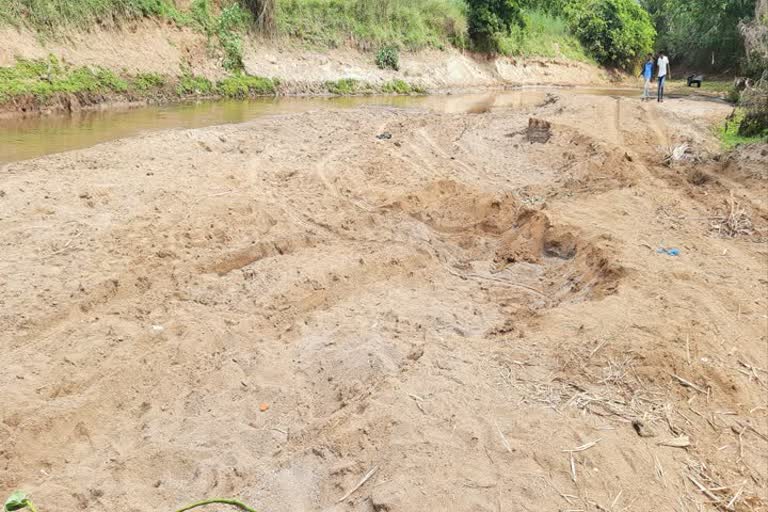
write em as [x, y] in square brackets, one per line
[244, 86]
[348, 87]
[44, 78]
[195, 85]
[50, 15]
[728, 131]
[722, 88]
[148, 81]
[401, 87]
[225, 28]
[544, 35]
[369, 24]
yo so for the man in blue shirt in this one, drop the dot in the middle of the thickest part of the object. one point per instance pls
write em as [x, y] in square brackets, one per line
[647, 74]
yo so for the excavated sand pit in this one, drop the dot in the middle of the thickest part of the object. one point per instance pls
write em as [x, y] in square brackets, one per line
[475, 320]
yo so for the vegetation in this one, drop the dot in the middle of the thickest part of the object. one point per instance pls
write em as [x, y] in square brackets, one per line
[755, 34]
[351, 87]
[702, 34]
[510, 27]
[42, 79]
[348, 86]
[369, 24]
[544, 34]
[729, 131]
[244, 86]
[148, 81]
[754, 102]
[194, 85]
[705, 34]
[401, 87]
[49, 15]
[388, 57]
[615, 32]
[489, 21]
[20, 501]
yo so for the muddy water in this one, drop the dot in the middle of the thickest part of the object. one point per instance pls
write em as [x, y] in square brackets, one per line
[22, 139]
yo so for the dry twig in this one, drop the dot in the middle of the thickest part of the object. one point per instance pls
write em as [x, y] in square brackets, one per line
[359, 484]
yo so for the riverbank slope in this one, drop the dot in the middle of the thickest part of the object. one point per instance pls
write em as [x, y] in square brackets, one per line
[150, 61]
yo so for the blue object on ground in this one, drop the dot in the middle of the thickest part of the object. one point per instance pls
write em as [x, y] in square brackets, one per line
[669, 251]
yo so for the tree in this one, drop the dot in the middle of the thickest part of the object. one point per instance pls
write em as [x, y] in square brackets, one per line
[491, 19]
[755, 34]
[702, 32]
[615, 32]
[264, 13]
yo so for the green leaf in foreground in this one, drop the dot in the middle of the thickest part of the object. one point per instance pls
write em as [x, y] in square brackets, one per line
[18, 500]
[218, 501]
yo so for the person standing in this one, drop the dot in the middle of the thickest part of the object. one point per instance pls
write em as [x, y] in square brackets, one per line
[647, 75]
[664, 72]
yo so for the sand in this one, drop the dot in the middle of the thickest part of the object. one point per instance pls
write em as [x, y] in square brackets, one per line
[473, 320]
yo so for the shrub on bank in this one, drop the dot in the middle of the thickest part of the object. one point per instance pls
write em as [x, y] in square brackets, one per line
[754, 102]
[348, 87]
[401, 87]
[614, 32]
[544, 34]
[44, 78]
[148, 81]
[489, 21]
[388, 57]
[368, 24]
[243, 86]
[198, 85]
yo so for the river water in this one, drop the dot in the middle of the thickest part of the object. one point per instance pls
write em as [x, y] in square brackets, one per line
[25, 138]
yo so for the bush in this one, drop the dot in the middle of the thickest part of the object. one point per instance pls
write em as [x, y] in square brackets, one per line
[348, 86]
[400, 87]
[490, 20]
[49, 16]
[243, 86]
[754, 100]
[388, 57]
[147, 81]
[544, 35]
[191, 84]
[615, 32]
[369, 24]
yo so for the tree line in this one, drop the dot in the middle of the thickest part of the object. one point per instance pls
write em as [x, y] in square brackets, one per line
[701, 34]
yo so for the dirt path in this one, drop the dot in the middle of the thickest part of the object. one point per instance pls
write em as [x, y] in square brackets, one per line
[480, 321]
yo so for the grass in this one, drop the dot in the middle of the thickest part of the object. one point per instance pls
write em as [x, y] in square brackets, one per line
[410, 24]
[43, 79]
[365, 24]
[721, 88]
[244, 86]
[401, 87]
[148, 81]
[369, 24]
[728, 132]
[194, 85]
[50, 15]
[348, 87]
[224, 26]
[353, 87]
[544, 35]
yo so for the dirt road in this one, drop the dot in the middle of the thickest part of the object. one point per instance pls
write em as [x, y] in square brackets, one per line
[474, 321]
